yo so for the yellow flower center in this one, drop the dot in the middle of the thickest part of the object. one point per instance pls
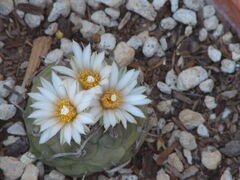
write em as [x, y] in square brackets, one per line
[88, 79]
[65, 110]
[110, 99]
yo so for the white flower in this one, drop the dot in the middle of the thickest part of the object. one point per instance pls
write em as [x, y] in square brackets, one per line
[90, 70]
[61, 107]
[118, 100]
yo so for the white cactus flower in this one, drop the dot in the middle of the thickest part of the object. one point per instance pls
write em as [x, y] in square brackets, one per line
[61, 106]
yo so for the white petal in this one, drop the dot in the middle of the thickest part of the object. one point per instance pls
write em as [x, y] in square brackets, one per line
[67, 133]
[86, 118]
[75, 135]
[64, 70]
[105, 72]
[111, 116]
[134, 97]
[113, 76]
[106, 120]
[129, 88]
[62, 140]
[98, 60]
[42, 105]
[77, 99]
[87, 56]
[75, 67]
[77, 51]
[41, 114]
[129, 117]
[49, 133]
[138, 90]
[71, 88]
[58, 85]
[39, 121]
[47, 85]
[78, 126]
[124, 81]
[85, 102]
[48, 124]
[133, 110]
[36, 96]
[121, 117]
[48, 94]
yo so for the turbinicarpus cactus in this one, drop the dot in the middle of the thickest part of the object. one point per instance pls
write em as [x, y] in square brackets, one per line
[86, 117]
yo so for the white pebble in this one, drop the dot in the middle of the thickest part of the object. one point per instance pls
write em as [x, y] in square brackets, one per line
[174, 5]
[150, 46]
[78, 6]
[66, 46]
[219, 31]
[214, 54]
[10, 140]
[75, 18]
[225, 114]
[168, 128]
[17, 98]
[164, 88]
[211, 158]
[143, 36]
[168, 23]
[60, 7]
[203, 34]
[157, 4]
[165, 106]
[114, 13]
[123, 54]
[185, 16]
[207, 86]
[93, 3]
[28, 158]
[226, 175]
[16, 129]
[187, 153]
[202, 131]
[55, 175]
[228, 66]
[175, 162]
[143, 8]
[161, 175]
[88, 29]
[54, 56]
[208, 11]
[171, 79]
[99, 17]
[9, 82]
[40, 3]
[135, 42]
[110, 3]
[33, 20]
[6, 7]
[163, 43]
[227, 38]
[161, 123]
[194, 4]
[188, 31]
[187, 140]
[211, 23]
[30, 172]
[7, 111]
[108, 41]
[51, 29]
[191, 77]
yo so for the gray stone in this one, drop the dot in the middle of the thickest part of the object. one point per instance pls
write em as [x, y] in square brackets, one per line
[88, 29]
[228, 66]
[210, 102]
[226, 175]
[211, 23]
[203, 34]
[208, 11]
[99, 17]
[66, 46]
[174, 5]
[17, 98]
[123, 54]
[168, 23]
[6, 7]
[135, 42]
[161, 175]
[150, 46]
[7, 111]
[194, 4]
[107, 41]
[187, 140]
[9, 82]
[214, 54]
[78, 6]
[202, 131]
[51, 29]
[60, 7]
[113, 13]
[31, 173]
[111, 3]
[164, 88]
[175, 162]
[185, 16]
[211, 158]
[39, 3]
[55, 175]
[207, 86]
[17, 129]
[157, 4]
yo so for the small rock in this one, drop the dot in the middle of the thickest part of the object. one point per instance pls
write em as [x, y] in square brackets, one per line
[33, 20]
[31, 172]
[19, 12]
[228, 66]
[11, 167]
[174, 5]
[135, 42]
[168, 23]
[202, 131]
[160, 52]
[229, 94]
[143, 36]
[88, 29]
[185, 16]
[17, 98]
[168, 128]
[99, 17]
[175, 162]
[163, 43]
[143, 8]
[40, 3]
[7, 111]
[208, 11]
[188, 31]
[165, 106]
[191, 77]
[78, 6]
[108, 41]
[219, 31]
[9, 82]
[54, 56]
[226, 175]
[210, 102]
[129, 177]
[164, 88]
[203, 34]
[66, 47]
[161, 123]
[194, 4]
[235, 56]
[187, 153]
[187, 140]
[157, 4]
[55, 175]
[161, 175]
[115, 3]
[191, 119]
[75, 19]
[207, 86]
[17, 129]
[231, 149]
[123, 54]
[189, 172]
[150, 46]
[28, 158]
[211, 23]
[211, 158]
[126, 18]
[51, 29]
[114, 13]
[171, 79]
[10, 140]
[40, 167]
[227, 38]
[214, 54]
[60, 7]
[6, 7]
[225, 114]
[94, 3]
[2, 101]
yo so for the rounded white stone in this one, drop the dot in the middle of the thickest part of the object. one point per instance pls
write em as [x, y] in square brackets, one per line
[228, 66]
[210, 102]
[51, 29]
[214, 54]
[207, 86]
[150, 46]
[194, 4]
[208, 11]
[99, 17]
[185, 16]
[33, 20]
[7, 111]
[202, 131]
[203, 34]
[187, 140]
[54, 56]
[135, 42]
[211, 158]
[168, 23]
[78, 6]
[107, 41]
[211, 23]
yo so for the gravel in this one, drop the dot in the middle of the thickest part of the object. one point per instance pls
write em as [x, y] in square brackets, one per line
[194, 4]
[174, 161]
[115, 3]
[17, 129]
[88, 29]
[51, 29]
[211, 23]
[187, 140]
[168, 23]
[54, 56]
[202, 131]
[228, 66]
[162, 175]
[185, 16]
[66, 47]
[123, 54]
[100, 17]
[164, 88]
[208, 11]
[226, 175]
[165, 106]
[78, 6]
[54, 175]
[203, 34]
[113, 13]
[174, 5]
[40, 3]
[207, 86]
[157, 4]
[150, 46]
[60, 8]
[211, 158]
[7, 111]
[107, 41]
[6, 7]
[210, 102]
[9, 82]
[214, 54]
[135, 42]
[30, 172]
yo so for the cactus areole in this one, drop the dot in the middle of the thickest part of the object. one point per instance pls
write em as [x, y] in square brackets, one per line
[99, 149]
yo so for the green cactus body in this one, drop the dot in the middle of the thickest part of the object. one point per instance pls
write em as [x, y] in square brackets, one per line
[101, 152]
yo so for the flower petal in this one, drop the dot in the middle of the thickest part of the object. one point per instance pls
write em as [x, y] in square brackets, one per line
[49, 133]
[124, 81]
[86, 118]
[47, 85]
[98, 60]
[86, 56]
[133, 110]
[67, 133]
[75, 135]
[42, 105]
[77, 51]
[41, 114]
[64, 70]
[58, 85]
[47, 94]
[113, 76]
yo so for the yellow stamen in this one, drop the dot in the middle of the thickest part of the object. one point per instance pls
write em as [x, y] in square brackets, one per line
[65, 110]
[110, 99]
[88, 79]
